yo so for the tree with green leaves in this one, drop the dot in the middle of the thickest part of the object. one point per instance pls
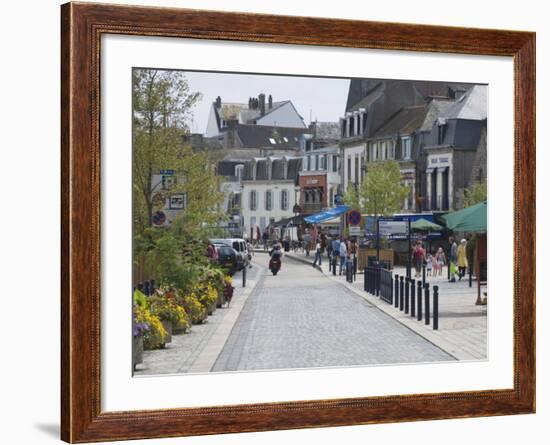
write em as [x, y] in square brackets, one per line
[475, 194]
[381, 192]
[162, 103]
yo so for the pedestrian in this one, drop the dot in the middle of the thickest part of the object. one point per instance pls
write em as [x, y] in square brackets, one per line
[419, 255]
[429, 264]
[317, 253]
[461, 260]
[440, 260]
[452, 259]
[329, 250]
[343, 250]
[307, 241]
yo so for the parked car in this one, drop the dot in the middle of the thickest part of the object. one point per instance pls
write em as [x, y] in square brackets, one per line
[239, 245]
[227, 257]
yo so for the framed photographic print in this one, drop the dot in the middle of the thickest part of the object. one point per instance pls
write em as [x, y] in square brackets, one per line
[277, 222]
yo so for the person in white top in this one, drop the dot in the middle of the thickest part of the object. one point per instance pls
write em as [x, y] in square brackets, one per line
[317, 253]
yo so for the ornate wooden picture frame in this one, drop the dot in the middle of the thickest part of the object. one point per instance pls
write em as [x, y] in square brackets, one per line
[82, 26]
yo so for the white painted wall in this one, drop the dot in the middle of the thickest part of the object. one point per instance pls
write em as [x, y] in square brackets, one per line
[212, 124]
[351, 153]
[276, 212]
[284, 116]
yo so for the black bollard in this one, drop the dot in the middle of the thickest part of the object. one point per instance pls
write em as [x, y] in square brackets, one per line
[365, 279]
[436, 308]
[407, 284]
[413, 297]
[401, 292]
[391, 289]
[427, 303]
[244, 276]
[448, 270]
[469, 276]
[334, 265]
[419, 300]
[396, 292]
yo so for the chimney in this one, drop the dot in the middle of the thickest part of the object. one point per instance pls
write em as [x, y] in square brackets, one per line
[270, 102]
[261, 98]
[218, 102]
[231, 133]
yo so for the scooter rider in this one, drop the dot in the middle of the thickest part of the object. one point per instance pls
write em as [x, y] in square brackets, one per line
[275, 254]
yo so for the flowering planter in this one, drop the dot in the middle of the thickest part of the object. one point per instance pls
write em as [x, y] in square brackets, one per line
[168, 328]
[137, 351]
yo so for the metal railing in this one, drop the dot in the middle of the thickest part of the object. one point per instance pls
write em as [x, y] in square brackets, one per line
[413, 297]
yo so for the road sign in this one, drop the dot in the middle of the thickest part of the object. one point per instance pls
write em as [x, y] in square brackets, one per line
[354, 218]
[354, 230]
[387, 228]
[159, 218]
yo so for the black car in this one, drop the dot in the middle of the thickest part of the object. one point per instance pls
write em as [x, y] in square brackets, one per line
[227, 257]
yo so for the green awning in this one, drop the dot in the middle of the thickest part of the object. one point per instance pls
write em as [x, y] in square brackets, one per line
[470, 219]
[423, 225]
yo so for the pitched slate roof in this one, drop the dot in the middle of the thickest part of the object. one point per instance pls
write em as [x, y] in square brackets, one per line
[436, 109]
[256, 136]
[327, 131]
[473, 105]
[405, 121]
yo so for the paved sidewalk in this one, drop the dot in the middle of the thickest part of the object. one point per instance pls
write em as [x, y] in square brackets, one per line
[462, 325]
[196, 351]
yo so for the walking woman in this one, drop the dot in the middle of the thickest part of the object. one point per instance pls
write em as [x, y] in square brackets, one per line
[440, 261]
[462, 260]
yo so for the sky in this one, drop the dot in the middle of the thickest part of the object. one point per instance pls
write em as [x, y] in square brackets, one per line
[315, 98]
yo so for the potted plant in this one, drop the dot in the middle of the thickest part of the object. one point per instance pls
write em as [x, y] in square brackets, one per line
[171, 314]
[194, 308]
[139, 330]
[155, 337]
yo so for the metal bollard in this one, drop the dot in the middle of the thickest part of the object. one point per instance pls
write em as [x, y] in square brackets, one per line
[334, 265]
[365, 280]
[419, 300]
[244, 276]
[396, 293]
[407, 284]
[427, 303]
[413, 297]
[391, 290]
[436, 308]
[401, 292]
[469, 276]
[448, 270]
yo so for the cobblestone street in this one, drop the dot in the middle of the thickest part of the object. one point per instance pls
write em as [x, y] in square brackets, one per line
[302, 319]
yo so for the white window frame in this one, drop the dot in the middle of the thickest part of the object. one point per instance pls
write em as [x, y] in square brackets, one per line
[253, 200]
[268, 202]
[406, 145]
[284, 199]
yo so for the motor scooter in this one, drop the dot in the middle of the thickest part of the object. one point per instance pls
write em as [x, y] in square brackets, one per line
[275, 264]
